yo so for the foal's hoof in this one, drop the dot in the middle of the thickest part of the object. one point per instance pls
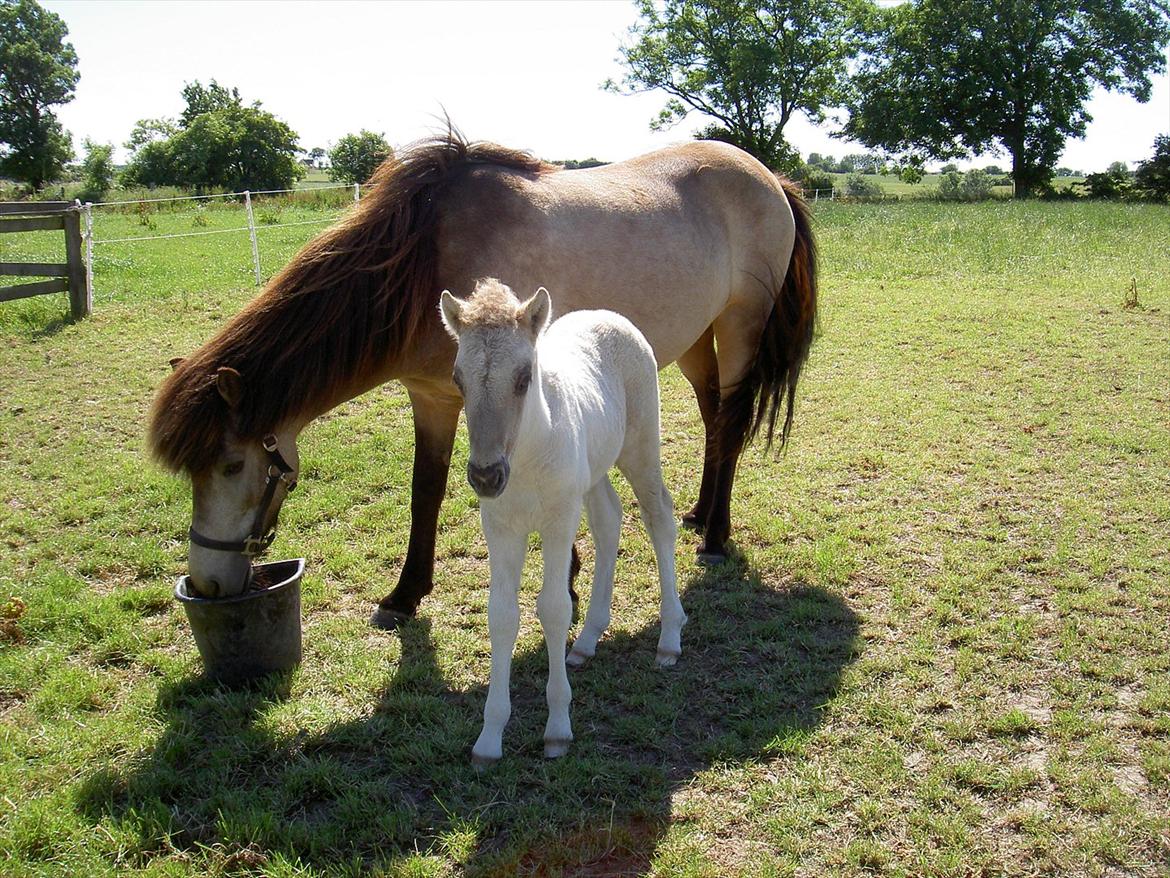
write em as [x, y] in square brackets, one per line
[556, 748]
[483, 762]
[388, 619]
[576, 659]
[666, 658]
[693, 522]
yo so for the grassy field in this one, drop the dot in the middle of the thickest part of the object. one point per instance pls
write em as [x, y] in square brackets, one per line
[942, 647]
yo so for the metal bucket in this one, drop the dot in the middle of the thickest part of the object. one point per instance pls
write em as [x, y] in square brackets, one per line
[251, 634]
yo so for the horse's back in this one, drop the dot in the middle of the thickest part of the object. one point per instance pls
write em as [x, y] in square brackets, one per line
[668, 239]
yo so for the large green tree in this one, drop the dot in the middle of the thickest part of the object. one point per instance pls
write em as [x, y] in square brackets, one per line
[951, 78]
[218, 143]
[38, 70]
[748, 65]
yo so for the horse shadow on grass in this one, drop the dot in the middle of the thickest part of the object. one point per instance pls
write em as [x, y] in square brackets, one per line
[232, 774]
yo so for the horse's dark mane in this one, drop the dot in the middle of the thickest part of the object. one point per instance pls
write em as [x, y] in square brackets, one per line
[345, 304]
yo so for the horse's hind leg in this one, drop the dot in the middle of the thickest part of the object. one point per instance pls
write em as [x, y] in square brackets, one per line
[605, 523]
[737, 332]
[702, 370]
[640, 464]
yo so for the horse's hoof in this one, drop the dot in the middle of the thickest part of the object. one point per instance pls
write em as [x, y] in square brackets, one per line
[709, 559]
[666, 659]
[388, 619]
[576, 659]
[556, 748]
[483, 762]
[693, 522]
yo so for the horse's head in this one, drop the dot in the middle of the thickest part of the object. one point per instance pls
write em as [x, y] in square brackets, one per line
[494, 367]
[237, 498]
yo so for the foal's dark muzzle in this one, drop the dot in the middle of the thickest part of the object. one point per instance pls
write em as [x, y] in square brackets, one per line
[490, 480]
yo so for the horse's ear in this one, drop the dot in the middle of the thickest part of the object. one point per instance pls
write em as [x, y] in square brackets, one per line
[175, 362]
[451, 310]
[230, 385]
[536, 312]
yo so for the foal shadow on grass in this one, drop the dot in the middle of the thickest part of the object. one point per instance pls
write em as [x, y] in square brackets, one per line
[232, 775]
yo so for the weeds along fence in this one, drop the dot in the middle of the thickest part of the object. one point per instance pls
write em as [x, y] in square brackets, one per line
[265, 204]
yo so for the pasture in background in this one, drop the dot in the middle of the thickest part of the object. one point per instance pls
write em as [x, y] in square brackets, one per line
[941, 649]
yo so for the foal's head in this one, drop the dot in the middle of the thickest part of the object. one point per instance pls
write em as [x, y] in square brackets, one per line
[496, 333]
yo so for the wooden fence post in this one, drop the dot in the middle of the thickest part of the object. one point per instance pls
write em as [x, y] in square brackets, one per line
[80, 296]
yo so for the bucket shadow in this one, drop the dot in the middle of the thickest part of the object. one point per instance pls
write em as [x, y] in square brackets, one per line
[229, 774]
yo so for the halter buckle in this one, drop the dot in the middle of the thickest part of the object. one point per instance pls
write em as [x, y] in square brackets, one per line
[254, 546]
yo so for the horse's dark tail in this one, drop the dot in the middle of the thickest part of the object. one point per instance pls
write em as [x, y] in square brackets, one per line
[770, 383]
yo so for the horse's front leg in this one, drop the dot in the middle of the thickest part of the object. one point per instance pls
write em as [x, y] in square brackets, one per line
[435, 419]
[506, 559]
[555, 611]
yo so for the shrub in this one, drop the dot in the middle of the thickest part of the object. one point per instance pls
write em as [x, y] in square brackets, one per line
[857, 186]
[1114, 183]
[813, 179]
[975, 185]
[97, 171]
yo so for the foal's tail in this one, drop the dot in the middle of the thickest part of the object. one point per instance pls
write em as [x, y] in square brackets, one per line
[770, 383]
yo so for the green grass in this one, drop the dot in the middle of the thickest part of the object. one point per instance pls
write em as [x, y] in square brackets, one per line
[941, 649]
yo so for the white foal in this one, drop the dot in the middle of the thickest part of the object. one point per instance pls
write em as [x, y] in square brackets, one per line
[549, 413]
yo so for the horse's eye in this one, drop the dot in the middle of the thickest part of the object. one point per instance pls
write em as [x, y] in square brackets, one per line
[234, 469]
[458, 380]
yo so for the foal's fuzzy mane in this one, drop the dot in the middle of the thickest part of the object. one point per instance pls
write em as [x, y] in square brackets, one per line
[344, 305]
[492, 303]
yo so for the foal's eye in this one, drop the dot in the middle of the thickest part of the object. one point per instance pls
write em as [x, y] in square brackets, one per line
[234, 469]
[523, 379]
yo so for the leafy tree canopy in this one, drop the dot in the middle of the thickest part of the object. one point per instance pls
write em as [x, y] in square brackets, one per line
[208, 99]
[949, 78]
[749, 65]
[356, 156]
[225, 145]
[38, 70]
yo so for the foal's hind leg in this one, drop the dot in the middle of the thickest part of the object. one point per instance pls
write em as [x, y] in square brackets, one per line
[641, 466]
[701, 369]
[605, 523]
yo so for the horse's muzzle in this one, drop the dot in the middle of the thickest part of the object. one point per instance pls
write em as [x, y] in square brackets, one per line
[488, 481]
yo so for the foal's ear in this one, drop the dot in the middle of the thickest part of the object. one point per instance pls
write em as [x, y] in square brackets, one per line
[175, 362]
[230, 385]
[451, 311]
[535, 313]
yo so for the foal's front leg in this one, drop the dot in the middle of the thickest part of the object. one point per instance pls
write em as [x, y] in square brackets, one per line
[506, 558]
[555, 610]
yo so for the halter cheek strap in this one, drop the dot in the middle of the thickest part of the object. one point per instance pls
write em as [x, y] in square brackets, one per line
[279, 472]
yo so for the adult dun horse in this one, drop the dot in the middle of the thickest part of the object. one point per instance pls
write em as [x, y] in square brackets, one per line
[700, 246]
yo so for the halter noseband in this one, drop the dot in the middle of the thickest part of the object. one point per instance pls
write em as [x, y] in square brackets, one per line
[257, 541]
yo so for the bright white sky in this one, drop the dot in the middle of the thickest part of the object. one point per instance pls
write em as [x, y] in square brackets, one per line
[526, 74]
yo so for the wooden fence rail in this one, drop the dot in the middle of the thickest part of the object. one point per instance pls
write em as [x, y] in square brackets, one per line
[69, 276]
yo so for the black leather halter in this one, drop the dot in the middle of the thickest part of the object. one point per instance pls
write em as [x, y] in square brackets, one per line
[257, 541]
